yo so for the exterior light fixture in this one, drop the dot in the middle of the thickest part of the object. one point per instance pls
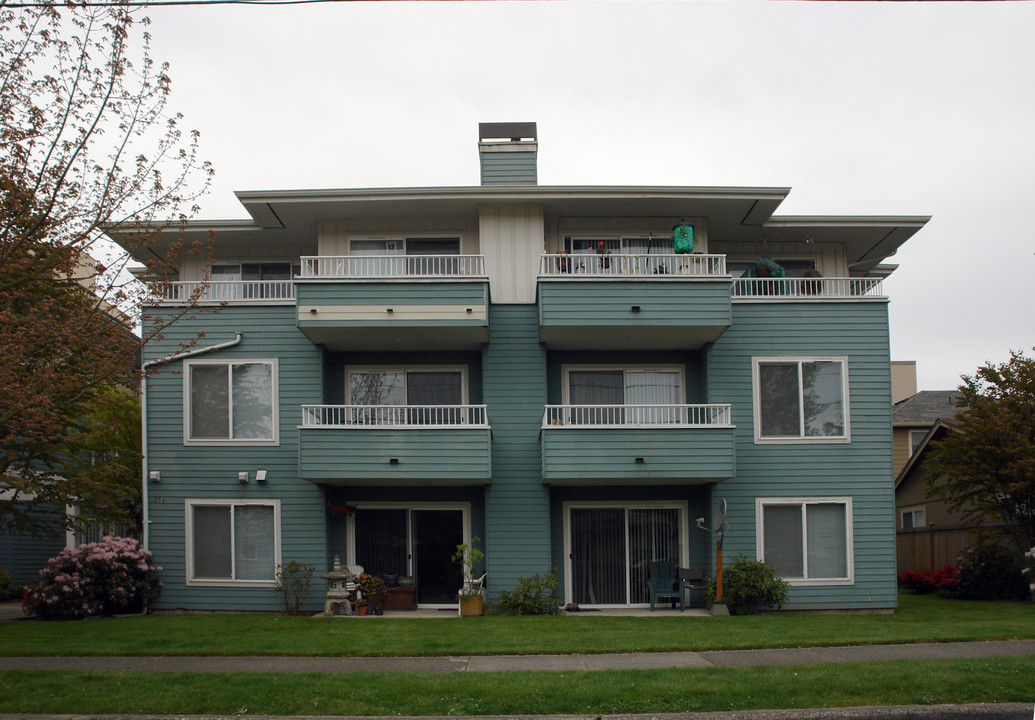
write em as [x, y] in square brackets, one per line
[154, 476]
[260, 476]
[639, 461]
[242, 477]
[393, 461]
[635, 308]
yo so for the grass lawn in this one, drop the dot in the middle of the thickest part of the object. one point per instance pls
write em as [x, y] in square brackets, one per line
[920, 618]
[634, 691]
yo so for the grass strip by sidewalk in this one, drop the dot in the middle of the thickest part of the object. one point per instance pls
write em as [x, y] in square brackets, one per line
[921, 618]
[903, 682]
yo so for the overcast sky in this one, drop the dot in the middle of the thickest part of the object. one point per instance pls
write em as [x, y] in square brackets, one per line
[862, 108]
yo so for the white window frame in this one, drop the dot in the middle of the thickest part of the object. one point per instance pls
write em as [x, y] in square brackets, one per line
[403, 239]
[761, 503]
[682, 506]
[188, 511]
[266, 442]
[916, 438]
[350, 530]
[621, 239]
[915, 510]
[756, 388]
[462, 369]
[567, 369]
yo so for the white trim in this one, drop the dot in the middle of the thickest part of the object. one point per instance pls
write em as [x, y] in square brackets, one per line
[188, 515]
[275, 376]
[682, 506]
[846, 501]
[350, 530]
[611, 367]
[912, 510]
[802, 438]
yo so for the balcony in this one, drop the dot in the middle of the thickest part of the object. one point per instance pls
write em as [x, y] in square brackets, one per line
[807, 289]
[394, 302]
[244, 292]
[640, 444]
[412, 445]
[642, 302]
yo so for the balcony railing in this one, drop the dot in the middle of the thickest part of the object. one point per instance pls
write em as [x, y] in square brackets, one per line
[392, 266]
[632, 416]
[629, 266]
[808, 288]
[272, 291]
[395, 416]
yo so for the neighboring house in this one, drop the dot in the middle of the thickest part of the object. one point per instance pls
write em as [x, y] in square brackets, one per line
[399, 370]
[913, 417]
[929, 535]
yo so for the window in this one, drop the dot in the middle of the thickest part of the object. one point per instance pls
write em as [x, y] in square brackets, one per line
[801, 399]
[230, 401]
[915, 438]
[232, 541]
[913, 518]
[438, 388]
[616, 388]
[807, 541]
[424, 255]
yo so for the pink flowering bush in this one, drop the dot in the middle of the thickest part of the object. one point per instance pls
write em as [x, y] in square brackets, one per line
[108, 577]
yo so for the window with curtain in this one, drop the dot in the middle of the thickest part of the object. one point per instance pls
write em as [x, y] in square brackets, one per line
[436, 389]
[800, 399]
[806, 540]
[617, 389]
[231, 401]
[233, 541]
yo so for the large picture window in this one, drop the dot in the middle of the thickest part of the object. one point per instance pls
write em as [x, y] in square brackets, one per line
[807, 540]
[801, 399]
[230, 402]
[232, 541]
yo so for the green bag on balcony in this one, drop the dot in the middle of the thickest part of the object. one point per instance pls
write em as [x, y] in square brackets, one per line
[683, 238]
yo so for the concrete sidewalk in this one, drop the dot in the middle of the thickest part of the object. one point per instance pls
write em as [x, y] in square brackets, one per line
[510, 663]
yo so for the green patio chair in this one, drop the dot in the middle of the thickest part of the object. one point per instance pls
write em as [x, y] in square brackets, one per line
[662, 583]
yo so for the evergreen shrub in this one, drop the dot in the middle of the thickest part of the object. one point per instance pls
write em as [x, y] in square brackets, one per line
[748, 587]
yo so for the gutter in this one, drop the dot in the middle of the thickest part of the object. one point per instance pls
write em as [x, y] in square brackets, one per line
[144, 515]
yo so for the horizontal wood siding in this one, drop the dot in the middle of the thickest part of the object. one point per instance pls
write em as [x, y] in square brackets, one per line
[574, 455]
[201, 472]
[702, 303]
[425, 455]
[860, 469]
[433, 292]
[517, 510]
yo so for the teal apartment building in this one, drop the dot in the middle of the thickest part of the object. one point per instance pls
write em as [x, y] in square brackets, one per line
[396, 371]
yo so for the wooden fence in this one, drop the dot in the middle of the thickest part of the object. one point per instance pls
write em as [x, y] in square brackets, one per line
[934, 547]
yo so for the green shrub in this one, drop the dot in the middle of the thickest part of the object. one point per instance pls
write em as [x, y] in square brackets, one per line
[292, 583]
[990, 572]
[749, 586]
[108, 577]
[536, 595]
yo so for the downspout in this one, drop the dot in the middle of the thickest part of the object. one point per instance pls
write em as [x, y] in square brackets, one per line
[144, 515]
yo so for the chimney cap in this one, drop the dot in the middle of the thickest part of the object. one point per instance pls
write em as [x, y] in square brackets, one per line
[510, 132]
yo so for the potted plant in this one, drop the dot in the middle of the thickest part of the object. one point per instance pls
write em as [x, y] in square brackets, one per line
[605, 263]
[372, 590]
[472, 603]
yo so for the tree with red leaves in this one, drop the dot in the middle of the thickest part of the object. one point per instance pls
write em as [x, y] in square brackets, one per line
[87, 147]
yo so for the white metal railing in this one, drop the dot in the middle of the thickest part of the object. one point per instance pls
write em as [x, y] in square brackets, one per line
[348, 416]
[808, 288]
[392, 266]
[713, 415]
[229, 291]
[591, 264]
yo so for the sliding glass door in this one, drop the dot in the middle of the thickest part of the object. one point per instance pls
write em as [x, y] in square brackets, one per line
[609, 548]
[414, 541]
